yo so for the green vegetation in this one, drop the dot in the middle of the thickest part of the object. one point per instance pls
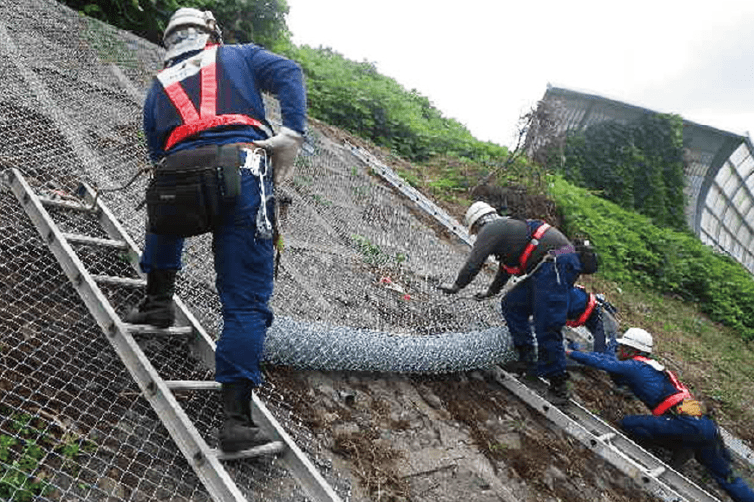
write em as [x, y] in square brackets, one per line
[633, 250]
[262, 21]
[22, 476]
[355, 97]
[638, 165]
[373, 255]
[21, 456]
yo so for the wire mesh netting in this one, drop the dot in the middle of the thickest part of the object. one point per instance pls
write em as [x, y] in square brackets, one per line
[356, 288]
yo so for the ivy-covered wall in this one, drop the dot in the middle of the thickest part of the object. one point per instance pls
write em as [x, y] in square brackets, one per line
[638, 165]
[634, 250]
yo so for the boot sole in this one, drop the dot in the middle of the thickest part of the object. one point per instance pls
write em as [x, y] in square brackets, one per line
[271, 448]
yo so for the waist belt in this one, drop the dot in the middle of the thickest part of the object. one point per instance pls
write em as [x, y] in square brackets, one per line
[206, 156]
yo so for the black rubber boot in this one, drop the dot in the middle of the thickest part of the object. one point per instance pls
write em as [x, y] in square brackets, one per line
[525, 364]
[680, 456]
[559, 394]
[156, 308]
[238, 431]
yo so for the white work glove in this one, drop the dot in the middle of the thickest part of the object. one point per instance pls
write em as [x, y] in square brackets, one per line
[282, 148]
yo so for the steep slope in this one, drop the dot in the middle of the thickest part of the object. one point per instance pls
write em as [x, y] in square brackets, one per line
[359, 256]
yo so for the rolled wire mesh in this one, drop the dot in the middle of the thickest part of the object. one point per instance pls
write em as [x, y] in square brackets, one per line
[356, 288]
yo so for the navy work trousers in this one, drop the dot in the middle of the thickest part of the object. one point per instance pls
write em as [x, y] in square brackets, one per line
[244, 268]
[700, 434]
[545, 297]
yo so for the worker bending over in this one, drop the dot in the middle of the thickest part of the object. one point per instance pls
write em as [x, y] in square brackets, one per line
[548, 263]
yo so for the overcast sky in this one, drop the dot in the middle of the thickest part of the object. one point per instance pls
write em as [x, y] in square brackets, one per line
[486, 62]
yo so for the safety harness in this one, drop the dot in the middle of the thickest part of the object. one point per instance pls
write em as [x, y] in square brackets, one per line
[672, 400]
[204, 63]
[528, 250]
[590, 304]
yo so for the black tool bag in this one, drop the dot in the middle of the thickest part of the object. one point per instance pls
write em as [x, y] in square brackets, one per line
[190, 191]
[587, 255]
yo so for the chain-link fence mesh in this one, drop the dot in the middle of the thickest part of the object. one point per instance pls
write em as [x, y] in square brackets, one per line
[356, 288]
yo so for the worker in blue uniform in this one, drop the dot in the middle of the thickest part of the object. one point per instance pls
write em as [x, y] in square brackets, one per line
[595, 313]
[548, 264]
[205, 109]
[678, 421]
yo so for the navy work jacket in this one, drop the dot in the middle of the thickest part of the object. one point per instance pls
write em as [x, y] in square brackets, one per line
[243, 73]
[649, 384]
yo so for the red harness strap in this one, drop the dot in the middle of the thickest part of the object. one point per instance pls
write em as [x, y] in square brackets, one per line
[528, 250]
[207, 118]
[590, 304]
[673, 399]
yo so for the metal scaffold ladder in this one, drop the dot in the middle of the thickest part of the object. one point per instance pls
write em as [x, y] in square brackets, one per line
[206, 461]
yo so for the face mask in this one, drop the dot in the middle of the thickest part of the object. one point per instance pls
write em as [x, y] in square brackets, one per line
[185, 40]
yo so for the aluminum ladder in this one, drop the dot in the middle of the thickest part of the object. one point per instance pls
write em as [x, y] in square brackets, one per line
[206, 461]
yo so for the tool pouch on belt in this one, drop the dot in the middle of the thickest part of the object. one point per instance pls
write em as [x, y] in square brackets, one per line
[588, 257]
[190, 189]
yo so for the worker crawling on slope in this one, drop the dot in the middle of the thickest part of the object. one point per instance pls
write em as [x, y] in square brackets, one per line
[678, 421]
[205, 124]
[544, 266]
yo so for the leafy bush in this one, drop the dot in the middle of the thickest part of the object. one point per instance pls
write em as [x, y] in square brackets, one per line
[632, 249]
[355, 97]
[261, 21]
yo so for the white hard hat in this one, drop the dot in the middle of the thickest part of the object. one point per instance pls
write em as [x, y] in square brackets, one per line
[189, 29]
[476, 211]
[188, 16]
[637, 338]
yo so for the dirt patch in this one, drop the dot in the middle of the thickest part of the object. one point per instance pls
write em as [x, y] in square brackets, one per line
[445, 437]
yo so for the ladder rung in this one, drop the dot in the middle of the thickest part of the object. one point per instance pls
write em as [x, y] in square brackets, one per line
[67, 204]
[95, 241]
[146, 329]
[192, 384]
[265, 449]
[120, 281]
